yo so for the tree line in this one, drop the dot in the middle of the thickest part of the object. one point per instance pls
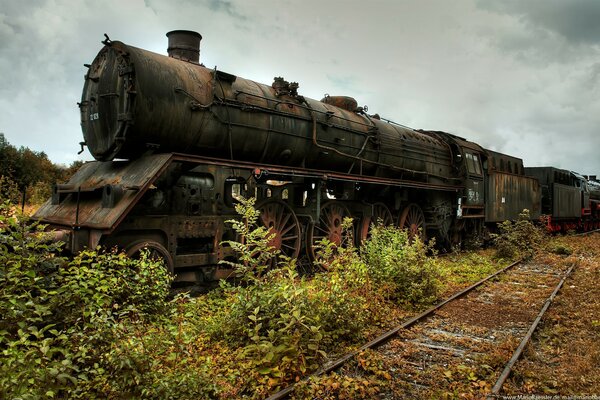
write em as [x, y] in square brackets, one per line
[30, 173]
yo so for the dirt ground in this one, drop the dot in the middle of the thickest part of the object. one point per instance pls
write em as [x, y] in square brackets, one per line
[459, 352]
[564, 355]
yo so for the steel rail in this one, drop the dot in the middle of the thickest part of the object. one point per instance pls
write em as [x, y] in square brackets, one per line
[328, 367]
[519, 350]
[587, 232]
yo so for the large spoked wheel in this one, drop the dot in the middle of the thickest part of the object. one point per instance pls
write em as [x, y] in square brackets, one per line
[156, 252]
[281, 220]
[413, 220]
[328, 227]
[381, 215]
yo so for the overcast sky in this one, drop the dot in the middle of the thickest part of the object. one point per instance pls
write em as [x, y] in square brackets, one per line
[520, 77]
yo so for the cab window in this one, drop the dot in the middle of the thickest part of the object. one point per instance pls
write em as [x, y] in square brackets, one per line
[473, 164]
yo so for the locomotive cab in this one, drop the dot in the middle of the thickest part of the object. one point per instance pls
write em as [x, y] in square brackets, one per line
[582, 183]
[467, 158]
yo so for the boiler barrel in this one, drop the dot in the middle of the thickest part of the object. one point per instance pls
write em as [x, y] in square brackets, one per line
[135, 101]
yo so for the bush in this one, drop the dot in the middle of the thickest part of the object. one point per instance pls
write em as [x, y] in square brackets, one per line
[38, 193]
[32, 349]
[283, 323]
[59, 318]
[112, 283]
[518, 239]
[400, 267]
[28, 270]
[9, 194]
[251, 246]
[343, 300]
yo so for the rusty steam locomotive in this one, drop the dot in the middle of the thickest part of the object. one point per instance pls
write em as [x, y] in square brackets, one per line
[176, 143]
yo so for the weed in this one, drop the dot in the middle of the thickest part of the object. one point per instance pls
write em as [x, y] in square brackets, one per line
[518, 239]
[252, 244]
[59, 318]
[401, 268]
[561, 250]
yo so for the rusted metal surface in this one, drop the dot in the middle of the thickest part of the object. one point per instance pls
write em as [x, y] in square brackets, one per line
[135, 100]
[182, 201]
[184, 45]
[566, 201]
[475, 192]
[90, 184]
[275, 170]
[594, 187]
[509, 194]
[281, 221]
[344, 102]
[560, 190]
[498, 162]
[465, 159]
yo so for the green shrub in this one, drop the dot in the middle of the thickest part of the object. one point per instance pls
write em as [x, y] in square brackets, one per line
[38, 193]
[518, 239]
[111, 282]
[32, 349]
[342, 300]
[252, 243]
[400, 267]
[562, 250]
[467, 267]
[9, 191]
[59, 318]
[283, 323]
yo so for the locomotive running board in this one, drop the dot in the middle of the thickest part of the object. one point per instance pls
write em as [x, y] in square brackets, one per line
[314, 173]
[84, 204]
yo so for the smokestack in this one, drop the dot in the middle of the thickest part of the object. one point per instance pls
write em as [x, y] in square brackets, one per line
[184, 45]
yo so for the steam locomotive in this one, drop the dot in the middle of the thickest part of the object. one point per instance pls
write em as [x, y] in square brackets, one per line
[176, 143]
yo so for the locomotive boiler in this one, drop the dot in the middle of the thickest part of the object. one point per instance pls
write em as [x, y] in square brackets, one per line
[135, 101]
[176, 143]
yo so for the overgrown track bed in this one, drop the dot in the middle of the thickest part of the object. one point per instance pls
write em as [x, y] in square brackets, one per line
[463, 344]
[563, 357]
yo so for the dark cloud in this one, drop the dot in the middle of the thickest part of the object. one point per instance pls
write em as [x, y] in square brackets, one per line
[575, 20]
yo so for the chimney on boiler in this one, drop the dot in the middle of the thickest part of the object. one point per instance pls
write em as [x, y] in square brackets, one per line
[184, 45]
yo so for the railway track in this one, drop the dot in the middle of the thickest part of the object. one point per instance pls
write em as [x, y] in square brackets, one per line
[473, 338]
